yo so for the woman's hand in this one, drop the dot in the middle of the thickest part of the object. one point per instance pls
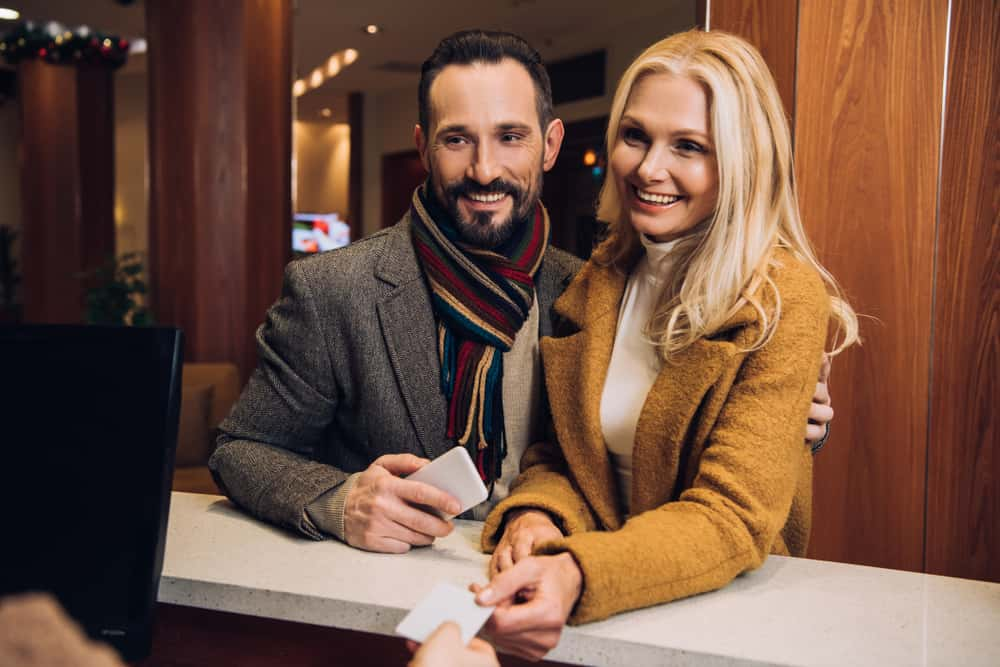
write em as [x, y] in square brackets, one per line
[444, 648]
[533, 600]
[525, 530]
[821, 408]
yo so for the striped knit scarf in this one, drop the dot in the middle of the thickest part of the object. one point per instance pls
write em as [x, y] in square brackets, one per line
[480, 299]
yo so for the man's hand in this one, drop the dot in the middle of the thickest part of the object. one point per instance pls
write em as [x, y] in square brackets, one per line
[821, 410]
[533, 600]
[524, 530]
[385, 513]
[444, 649]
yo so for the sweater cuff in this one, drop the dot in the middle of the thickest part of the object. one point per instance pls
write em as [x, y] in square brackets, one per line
[327, 511]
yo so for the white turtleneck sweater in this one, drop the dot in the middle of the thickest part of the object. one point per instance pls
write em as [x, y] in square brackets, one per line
[634, 362]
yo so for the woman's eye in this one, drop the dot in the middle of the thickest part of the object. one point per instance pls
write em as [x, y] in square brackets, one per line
[634, 135]
[690, 146]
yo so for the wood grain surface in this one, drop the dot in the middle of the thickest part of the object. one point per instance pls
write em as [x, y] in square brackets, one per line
[771, 26]
[868, 125]
[963, 489]
[220, 183]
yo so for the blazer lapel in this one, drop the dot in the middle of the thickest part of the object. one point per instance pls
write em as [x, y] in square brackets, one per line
[410, 334]
[575, 370]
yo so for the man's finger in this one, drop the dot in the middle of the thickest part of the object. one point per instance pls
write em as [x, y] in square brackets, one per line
[820, 414]
[401, 464]
[825, 368]
[822, 394]
[814, 432]
[418, 493]
[415, 520]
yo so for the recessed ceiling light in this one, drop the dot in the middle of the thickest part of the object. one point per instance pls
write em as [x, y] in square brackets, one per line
[325, 112]
[9, 14]
[350, 55]
[372, 29]
[299, 88]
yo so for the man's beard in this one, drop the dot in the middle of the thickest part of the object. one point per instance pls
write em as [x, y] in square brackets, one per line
[481, 231]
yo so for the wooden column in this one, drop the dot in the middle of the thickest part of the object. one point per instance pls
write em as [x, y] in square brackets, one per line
[868, 135]
[963, 480]
[67, 184]
[220, 168]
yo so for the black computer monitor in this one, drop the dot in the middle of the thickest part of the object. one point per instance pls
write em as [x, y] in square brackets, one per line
[88, 431]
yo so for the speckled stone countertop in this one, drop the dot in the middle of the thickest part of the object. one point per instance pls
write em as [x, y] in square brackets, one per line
[792, 611]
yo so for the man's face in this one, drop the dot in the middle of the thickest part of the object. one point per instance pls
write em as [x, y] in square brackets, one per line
[485, 150]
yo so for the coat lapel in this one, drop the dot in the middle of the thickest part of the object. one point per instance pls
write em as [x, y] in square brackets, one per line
[410, 333]
[575, 369]
[669, 410]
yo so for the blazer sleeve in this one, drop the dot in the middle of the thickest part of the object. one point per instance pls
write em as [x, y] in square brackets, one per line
[726, 522]
[264, 453]
[544, 484]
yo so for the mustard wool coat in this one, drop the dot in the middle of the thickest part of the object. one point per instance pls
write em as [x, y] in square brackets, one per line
[721, 477]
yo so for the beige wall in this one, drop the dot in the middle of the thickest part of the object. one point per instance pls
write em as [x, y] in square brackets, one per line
[389, 116]
[322, 161]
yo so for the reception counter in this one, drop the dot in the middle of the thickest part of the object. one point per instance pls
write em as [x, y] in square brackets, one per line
[792, 611]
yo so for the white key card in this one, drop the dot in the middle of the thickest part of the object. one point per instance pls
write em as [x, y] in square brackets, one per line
[446, 602]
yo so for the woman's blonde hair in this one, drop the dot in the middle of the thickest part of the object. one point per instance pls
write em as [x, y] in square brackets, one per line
[723, 265]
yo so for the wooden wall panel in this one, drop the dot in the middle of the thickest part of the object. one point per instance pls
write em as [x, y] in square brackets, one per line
[220, 196]
[67, 185]
[963, 491]
[868, 127]
[771, 26]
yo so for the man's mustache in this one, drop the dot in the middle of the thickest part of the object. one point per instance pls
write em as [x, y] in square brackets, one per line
[470, 187]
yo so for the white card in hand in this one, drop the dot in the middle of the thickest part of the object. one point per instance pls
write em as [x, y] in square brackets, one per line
[446, 602]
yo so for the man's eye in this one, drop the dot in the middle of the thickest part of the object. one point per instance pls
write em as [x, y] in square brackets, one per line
[510, 137]
[455, 141]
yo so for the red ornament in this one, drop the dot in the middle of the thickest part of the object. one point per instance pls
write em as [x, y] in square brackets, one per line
[42, 53]
[123, 44]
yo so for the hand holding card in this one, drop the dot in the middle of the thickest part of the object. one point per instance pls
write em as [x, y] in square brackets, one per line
[446, 602]
[454, 473]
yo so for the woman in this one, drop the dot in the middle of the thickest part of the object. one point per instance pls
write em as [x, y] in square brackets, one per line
[690, 347]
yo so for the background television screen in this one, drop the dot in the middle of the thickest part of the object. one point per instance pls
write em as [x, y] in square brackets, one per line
[319, 232]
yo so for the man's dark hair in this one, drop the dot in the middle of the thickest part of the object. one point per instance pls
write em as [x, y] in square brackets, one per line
[485, 46]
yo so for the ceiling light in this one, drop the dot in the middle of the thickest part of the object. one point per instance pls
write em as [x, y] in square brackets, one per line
[316, 78]
[590, 157]
[9, 14]
[333, 66]
[299, 88]
[350, 55]
[325, 112]
[372, 29]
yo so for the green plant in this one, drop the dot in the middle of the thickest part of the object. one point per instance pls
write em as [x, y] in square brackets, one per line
[116, 292]
[9, 277]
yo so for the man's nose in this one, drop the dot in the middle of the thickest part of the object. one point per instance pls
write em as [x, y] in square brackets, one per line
[484, 168]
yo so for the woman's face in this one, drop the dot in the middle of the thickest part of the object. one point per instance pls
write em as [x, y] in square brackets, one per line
[663, 158]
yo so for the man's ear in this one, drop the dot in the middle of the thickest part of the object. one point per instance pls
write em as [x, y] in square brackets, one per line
[554, 134]
[420, 139]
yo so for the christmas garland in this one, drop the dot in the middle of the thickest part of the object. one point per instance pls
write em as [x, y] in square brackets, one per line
[59, 45]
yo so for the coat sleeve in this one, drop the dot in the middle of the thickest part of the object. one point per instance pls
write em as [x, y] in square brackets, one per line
[545, 484]
[726, 522]
[265, 451]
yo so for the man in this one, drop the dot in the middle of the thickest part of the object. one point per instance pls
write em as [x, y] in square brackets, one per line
[391, 351]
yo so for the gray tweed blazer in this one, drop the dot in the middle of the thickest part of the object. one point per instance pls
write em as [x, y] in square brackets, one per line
[347, 371]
